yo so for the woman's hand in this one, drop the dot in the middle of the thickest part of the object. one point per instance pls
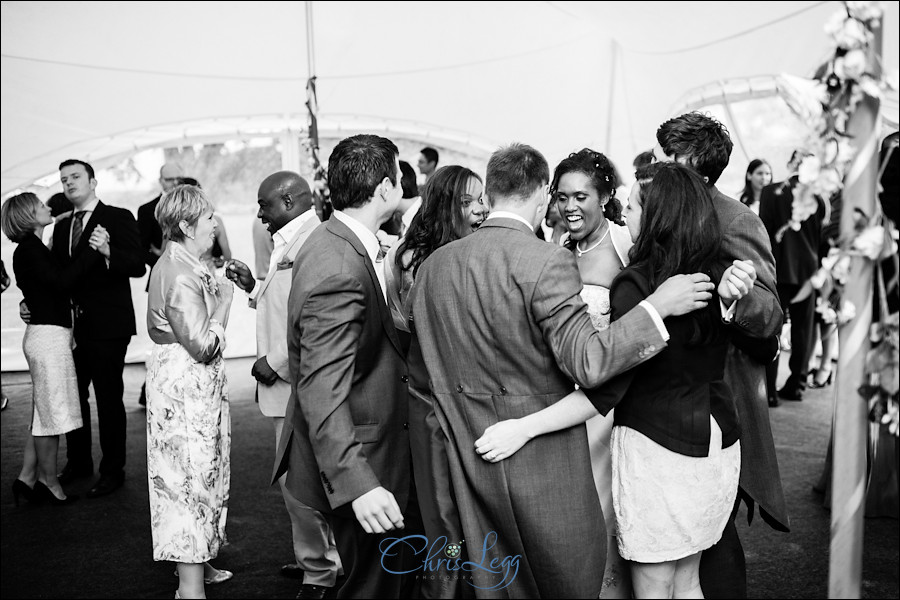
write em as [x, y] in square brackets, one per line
[502, 440]
[737, 281]
[99, 240]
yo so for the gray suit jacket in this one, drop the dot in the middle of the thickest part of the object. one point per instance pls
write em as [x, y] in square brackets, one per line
[345, 431]
[758, 315]
[500, 332]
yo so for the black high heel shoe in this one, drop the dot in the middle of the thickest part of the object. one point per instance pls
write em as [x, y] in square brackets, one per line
[40, 489]
[20, 488]
[816, 384]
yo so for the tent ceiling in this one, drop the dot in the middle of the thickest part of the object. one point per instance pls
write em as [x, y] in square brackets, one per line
[97, 80]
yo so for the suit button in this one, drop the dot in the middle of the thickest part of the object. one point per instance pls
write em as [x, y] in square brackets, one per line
[651, 348]
[502, 390]
[406, 426]
[459, 389]
[404, 379]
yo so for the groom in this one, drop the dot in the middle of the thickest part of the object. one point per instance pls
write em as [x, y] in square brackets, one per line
[499, 323]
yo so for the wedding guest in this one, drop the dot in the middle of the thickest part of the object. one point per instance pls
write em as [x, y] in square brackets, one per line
[188, 413]
[428, 164]
[4, 285]
[498, 326]
[700, 141]
[553, 227]
[797, 259]
[59, 205]
[642, 159]
[453, 206]
[758, 176]
[103, 323]
[344, 446]
[47, 343]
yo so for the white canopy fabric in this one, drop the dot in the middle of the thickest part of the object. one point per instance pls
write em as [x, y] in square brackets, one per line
[102, 80]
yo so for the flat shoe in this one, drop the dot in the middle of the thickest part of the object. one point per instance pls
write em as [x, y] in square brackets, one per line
[221, 577]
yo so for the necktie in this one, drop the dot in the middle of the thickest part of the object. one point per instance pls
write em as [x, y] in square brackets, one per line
[77, 227]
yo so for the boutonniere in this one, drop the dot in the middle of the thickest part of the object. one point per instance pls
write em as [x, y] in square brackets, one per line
[284, 264]
[209, 282]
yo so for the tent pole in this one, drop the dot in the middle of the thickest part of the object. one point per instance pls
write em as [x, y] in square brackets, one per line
[850, 415]
[607, 148]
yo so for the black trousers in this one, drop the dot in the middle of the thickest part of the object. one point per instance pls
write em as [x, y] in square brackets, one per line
[803, 335]
[100, 362]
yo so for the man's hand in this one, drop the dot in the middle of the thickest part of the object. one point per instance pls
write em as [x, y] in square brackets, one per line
[737, 281]
[99, 240]
[263, 373]
[24, 313]
[377, 511]
[681, 294]
[240, 274]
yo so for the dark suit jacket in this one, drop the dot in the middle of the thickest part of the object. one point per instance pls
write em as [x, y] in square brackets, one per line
[345, 431]
[151, 232]
[500, 332]
[797, 254]
[102, 298]
[758, 315]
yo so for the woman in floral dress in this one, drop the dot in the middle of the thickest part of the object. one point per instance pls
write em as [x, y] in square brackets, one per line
[188, 419]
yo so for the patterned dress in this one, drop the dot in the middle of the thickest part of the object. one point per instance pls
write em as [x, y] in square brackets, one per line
[188, 417]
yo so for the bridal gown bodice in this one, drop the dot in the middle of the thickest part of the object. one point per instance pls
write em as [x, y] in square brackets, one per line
[597, 299]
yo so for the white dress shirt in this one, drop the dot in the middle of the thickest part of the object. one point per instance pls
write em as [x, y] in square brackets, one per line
[369, 242]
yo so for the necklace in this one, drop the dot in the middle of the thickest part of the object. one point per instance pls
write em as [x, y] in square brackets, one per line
[583, 252]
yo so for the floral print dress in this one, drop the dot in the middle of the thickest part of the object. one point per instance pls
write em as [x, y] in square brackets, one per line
[188, 418]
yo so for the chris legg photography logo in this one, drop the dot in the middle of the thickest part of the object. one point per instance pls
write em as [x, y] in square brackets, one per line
[442, 558]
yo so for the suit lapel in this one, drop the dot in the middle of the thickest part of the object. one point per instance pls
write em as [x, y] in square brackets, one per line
[288, 251]
[339, 229]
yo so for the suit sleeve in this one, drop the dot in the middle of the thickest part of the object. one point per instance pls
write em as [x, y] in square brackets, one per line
[125, 255]
[145, 230]
[759, 313]
[330, 325]
[624, 297]
[190, 321]
[588, 356]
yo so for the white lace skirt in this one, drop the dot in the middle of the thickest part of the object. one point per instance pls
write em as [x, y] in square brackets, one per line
[669, 506]
[48, 351]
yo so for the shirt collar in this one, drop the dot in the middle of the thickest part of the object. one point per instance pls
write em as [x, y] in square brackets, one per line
[287, 233]
[91, 207]
[502, 214]
[368, 239]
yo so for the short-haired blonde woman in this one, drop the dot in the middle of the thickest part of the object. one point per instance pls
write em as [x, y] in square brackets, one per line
[188, 419]
[47, 343]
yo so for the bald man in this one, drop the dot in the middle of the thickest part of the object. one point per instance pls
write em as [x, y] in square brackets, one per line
[286, 209]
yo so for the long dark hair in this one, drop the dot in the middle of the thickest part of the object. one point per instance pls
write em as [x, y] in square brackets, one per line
[440, 219]
[679, 227]
[747, 192]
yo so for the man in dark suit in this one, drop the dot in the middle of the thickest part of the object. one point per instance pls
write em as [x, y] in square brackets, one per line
[703, 143]
[345, 443]
[501, 330]
[103, 324]
[796, 260]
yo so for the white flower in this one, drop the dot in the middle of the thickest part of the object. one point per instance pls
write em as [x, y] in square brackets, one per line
[855, 63]
[848, 312]
[870, 241]
[870, 86]
[865, 11]
[841, 269]
[828, 182]
[834, 254]
[809, 168]
[852, 34]
[818, 279]
[835, 23]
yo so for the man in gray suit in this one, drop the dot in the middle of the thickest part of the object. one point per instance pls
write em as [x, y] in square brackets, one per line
[345, 444]
[702, 142]
[502, 332]
[286, 210]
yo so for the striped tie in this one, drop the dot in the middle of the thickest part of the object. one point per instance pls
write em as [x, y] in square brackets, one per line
[77, 228]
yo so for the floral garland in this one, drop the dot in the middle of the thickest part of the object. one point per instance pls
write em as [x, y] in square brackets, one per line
[826, 104]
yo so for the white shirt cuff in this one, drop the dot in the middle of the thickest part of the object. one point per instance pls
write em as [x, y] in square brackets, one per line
[728, 313]
[657, 320]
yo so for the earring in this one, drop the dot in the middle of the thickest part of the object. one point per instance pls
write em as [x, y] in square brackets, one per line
[189, 236]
